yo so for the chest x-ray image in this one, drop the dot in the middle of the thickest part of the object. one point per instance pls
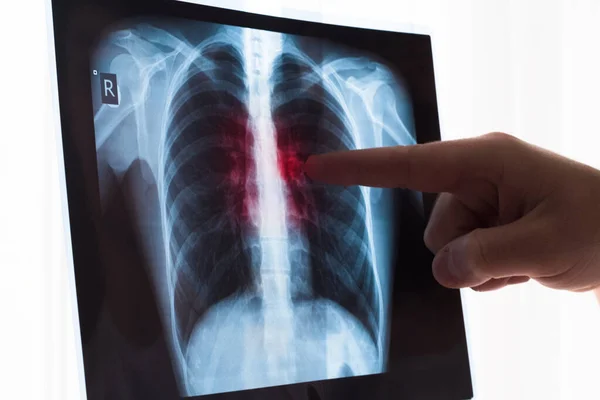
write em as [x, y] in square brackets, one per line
[263, 278]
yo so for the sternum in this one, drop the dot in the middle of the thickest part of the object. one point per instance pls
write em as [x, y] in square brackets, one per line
[274, 274]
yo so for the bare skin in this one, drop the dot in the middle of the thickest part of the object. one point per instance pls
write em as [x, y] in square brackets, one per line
[507, 211]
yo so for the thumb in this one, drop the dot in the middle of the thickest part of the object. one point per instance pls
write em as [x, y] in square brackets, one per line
[516, 249]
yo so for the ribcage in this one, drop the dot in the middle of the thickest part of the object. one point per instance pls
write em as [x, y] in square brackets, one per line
[309, 120]
[206, 176]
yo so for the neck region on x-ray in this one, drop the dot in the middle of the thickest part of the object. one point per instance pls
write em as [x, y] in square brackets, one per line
[267, 278]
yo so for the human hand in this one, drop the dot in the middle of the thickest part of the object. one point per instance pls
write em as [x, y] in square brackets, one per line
[508, 211]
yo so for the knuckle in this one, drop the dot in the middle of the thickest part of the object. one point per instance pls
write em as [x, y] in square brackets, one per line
[502, 139]
[501, 147]
[499, 136]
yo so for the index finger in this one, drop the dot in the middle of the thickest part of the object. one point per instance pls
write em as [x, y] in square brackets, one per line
[431, 167]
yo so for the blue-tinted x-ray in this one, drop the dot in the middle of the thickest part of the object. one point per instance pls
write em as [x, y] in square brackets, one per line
[264, 278]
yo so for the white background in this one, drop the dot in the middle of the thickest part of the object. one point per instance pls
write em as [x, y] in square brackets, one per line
[531, 68]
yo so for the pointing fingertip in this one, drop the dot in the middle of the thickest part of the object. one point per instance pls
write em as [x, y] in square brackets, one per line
[306, 175]
[309, 166]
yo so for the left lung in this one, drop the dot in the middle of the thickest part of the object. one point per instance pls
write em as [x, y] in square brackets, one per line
[310, 120]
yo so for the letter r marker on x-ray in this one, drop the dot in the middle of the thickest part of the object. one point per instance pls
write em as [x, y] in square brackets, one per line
[110, 92]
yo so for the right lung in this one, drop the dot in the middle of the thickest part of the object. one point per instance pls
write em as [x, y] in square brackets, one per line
[207, 165]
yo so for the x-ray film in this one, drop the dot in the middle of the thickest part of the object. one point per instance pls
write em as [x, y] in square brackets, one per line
[268, 278]
[206, 263]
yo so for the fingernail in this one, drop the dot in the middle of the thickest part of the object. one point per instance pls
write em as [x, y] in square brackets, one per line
[458, 260]
[441, 268]
[448, 265]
